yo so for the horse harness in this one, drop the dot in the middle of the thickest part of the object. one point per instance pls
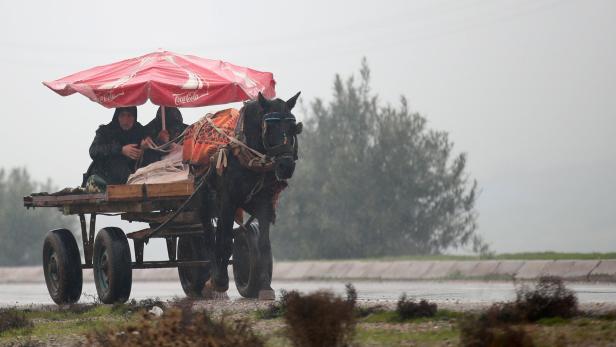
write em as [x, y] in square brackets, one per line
[251, 158]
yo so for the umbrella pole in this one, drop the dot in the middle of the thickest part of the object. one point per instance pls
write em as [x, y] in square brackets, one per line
[162, 111]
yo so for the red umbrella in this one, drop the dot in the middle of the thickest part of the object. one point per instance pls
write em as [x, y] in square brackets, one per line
[167, 79]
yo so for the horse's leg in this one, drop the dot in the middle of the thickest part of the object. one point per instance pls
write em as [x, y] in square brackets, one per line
[265, 263]
[224, 246]
[207, 211]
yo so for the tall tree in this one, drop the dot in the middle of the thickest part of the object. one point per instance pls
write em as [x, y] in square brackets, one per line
[374, 181]
[22, 231]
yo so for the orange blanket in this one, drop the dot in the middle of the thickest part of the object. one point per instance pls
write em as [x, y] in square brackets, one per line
[202, 141]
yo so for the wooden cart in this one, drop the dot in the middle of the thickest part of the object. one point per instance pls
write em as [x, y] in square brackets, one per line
[108, 254]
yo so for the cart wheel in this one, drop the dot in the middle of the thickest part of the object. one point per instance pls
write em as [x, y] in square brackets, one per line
[62, 267]
[113, 273]
[245, 262]
[193, 278]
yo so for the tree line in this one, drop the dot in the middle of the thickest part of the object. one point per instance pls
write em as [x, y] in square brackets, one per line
[22, 231]
[372, 181]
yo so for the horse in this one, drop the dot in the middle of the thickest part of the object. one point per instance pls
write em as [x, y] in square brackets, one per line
[256, 172]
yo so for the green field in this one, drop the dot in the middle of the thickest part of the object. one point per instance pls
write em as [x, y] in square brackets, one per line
[505, 256]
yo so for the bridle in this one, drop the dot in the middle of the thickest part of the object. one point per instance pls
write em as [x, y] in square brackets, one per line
[288, 148]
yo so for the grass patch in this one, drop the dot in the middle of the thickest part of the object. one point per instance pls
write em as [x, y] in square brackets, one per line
[60, 322]
[553, 321]
[59, 328]
[548, 255]
[84, 311]
[394, 337]
[553, 256]
[59, 314]
[394, 317]
[12, 319]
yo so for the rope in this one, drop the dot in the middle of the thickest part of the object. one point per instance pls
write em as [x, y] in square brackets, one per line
[235, 140]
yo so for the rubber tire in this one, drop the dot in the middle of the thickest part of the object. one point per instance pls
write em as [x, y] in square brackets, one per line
[114, 284]
[193, 278]
[65, 287]
[245, 261]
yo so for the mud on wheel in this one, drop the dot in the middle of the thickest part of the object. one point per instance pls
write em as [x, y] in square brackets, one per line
[193, 278]
[246, 261]
[113, 272]
[62, 267]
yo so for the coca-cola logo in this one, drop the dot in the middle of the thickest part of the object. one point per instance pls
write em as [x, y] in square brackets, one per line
[188, 97]
[107, 97]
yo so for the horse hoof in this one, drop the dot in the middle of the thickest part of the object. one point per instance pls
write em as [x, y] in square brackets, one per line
[208, 292]
[267, 294]
[212, 291]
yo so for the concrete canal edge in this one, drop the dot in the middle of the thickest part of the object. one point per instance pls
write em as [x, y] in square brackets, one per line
[348, 270]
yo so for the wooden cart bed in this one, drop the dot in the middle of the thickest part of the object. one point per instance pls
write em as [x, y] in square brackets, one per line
[133, 198]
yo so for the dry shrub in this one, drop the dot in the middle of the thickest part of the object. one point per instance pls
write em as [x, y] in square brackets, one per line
[11, 318]
[178, 327]
[360, 312]
[319, 319]
[409, 309]
[351, 294]
[549, 298]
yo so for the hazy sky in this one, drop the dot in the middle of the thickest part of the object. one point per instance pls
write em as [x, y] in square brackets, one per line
[527, 88]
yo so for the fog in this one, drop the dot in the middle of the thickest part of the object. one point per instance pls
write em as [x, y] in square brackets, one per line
[526, 88]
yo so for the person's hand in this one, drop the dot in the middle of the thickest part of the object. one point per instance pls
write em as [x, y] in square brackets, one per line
[163, 135]
[147, 143]
[131, 151]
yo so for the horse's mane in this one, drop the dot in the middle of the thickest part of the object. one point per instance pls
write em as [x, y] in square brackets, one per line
[252, 116]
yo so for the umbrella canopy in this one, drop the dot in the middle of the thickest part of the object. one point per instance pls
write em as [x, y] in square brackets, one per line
[167, 79]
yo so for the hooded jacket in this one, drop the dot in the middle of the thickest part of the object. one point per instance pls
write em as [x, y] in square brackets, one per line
[174, 123]
[108, 162]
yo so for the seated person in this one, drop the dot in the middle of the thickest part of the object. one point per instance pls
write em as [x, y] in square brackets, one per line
[115, 150]
[156, 136]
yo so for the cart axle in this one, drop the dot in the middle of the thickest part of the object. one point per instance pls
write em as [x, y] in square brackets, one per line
[162, 264]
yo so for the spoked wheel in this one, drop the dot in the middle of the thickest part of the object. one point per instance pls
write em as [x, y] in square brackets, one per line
[113, 273]
[62, 267]
[193, 278]
[245, 261]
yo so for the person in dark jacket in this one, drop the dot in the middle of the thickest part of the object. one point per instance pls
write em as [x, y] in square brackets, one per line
[156, 136]
[115, 150]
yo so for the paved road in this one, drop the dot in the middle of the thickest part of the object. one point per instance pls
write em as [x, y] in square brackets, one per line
[464, 292]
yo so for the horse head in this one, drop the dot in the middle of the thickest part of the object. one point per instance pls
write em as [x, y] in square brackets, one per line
[271, 128]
